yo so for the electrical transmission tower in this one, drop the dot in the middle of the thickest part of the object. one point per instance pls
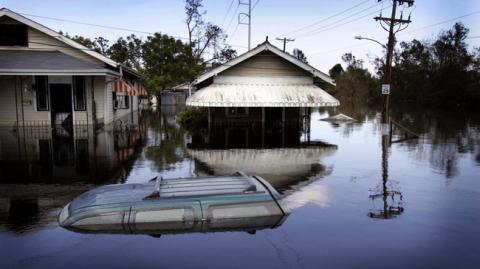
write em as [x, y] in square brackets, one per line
[390, 24]
[285, 40]
[249, 16]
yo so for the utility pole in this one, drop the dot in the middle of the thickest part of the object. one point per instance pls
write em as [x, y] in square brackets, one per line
[249, 15]
[391, 22]
[285, 40]
[390, 26]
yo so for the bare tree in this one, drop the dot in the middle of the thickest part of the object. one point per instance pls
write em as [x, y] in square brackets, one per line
[202, 36]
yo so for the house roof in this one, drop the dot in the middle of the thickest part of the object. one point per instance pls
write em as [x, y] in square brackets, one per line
[27, 62]
[265, 46]
[57, 36]
[229, 91]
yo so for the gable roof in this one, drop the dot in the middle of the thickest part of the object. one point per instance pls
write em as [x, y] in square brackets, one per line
[57, 36]
[265, 46]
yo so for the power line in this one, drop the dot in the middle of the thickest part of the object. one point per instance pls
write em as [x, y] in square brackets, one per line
[233, 17]
[96, 25]
[334, 24]
[443, 22]
[345, 23]
[325, 19]
[255, 4]
[338, 49]
[407, 32]
[228, 12]
[234, 31]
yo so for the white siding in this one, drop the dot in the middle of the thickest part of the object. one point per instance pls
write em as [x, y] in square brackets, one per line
[9, 108]
[265, 64]
[99, 96]
[39, 40]
[8, 116]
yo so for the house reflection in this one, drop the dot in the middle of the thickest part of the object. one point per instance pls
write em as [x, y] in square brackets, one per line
[42, 169]
[282, 154]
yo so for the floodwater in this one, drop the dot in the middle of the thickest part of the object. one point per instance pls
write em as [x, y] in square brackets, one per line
[355, 201]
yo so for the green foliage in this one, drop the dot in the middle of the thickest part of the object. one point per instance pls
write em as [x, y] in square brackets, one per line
[355, 83]
[128, 51]
[194, 119]
[165, 149]
[167, 62]
[336, 71]
[441, 72]
[98, 44]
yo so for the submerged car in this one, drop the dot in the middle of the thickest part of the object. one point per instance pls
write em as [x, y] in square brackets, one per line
[202, 204]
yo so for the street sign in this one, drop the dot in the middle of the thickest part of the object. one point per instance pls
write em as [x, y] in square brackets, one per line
[385, 88]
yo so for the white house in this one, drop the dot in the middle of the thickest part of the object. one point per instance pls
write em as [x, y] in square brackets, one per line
[47, 79]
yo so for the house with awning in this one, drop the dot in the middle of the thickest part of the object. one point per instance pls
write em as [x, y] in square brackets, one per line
[264, 84]
[47, 79]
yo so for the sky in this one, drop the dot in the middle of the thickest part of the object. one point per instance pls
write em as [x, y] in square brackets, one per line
[329, 36]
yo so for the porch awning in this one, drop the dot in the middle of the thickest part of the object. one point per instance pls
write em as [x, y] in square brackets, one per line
[125, 87]
[261, 95]
[142, 91]
[122, 86]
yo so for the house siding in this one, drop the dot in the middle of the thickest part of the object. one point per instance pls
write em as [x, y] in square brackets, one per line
[12, 106]
[265, 64]
[99, 96]
[17, 96]
[8, 115]
[41, 41]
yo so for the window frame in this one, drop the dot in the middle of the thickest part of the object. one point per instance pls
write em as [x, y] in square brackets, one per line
[126, 102]
[47, 94]
[120, 101]
[74, 84]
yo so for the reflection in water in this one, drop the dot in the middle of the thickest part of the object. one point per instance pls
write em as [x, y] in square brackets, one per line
[438, 174]
[391, 198]
[281, 167]
[283, 155]
[42, 169]
[445, 137]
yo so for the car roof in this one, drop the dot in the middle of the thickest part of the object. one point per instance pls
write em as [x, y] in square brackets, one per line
[169, 189]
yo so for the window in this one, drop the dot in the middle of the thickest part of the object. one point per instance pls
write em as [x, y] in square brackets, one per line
[120, 101]
[80, 100]
[126, 101]
[13, 35]
[41, 87]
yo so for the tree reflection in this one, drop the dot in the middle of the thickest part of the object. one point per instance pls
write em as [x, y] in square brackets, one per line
[166, 140]
[445, 136]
